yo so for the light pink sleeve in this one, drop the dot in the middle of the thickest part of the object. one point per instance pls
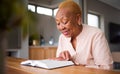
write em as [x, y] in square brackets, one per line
[101, 52]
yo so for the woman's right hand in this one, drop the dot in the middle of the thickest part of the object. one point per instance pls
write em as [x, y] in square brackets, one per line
[65, 55]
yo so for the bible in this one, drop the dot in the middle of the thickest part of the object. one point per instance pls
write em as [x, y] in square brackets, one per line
[46, 63]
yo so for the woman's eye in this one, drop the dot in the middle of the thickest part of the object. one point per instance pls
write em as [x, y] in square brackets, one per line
[65, 22]
[58, 23]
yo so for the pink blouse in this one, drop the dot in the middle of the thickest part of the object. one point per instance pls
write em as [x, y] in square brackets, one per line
[92, 49]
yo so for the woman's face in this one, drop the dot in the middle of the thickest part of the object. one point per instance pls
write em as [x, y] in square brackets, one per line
[67, 23]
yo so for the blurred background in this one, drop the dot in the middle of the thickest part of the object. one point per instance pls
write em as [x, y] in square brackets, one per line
[31, 28]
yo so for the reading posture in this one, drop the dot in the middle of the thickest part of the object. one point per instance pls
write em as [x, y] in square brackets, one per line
[83, 44]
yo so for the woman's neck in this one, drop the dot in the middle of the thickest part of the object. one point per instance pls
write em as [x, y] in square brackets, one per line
[73, 39]
[77, 32]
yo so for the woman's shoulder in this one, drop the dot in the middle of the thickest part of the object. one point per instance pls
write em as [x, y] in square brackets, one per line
[91, 29]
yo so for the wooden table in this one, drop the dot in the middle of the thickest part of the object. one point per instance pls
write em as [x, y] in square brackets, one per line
[13, 67]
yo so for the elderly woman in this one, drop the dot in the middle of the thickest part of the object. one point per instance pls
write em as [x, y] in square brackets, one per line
[83, 44]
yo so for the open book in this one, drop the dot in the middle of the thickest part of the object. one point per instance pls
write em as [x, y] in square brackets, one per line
[46, 63]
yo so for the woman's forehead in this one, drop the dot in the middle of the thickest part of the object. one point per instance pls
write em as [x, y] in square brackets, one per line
[63, 13]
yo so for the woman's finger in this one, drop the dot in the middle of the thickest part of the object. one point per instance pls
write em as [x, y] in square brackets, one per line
[67, 55]
[62, 55]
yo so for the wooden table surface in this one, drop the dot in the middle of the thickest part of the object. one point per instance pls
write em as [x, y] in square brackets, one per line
[13, 67]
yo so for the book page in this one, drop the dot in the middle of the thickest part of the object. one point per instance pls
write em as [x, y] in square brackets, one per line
[48, 64]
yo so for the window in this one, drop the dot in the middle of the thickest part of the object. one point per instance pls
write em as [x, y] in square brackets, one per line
[55, 11]
[42, 10]
[31, 7]
[93, 20]
[46, 11]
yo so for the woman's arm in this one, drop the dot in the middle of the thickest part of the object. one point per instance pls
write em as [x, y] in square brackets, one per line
[101, 52]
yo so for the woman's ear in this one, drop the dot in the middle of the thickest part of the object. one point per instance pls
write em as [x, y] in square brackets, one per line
[78, 19]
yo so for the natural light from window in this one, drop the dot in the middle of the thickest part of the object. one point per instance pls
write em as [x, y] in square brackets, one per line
[55, 11]
[93, 20]
[31, 7]
[46, 11]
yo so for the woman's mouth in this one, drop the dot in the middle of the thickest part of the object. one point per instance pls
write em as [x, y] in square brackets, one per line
[65, 32]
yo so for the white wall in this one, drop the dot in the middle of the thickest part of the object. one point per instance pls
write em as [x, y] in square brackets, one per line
[47, 27]
[24, 51]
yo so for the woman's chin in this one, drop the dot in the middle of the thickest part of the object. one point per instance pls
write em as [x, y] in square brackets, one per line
[67, 36]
